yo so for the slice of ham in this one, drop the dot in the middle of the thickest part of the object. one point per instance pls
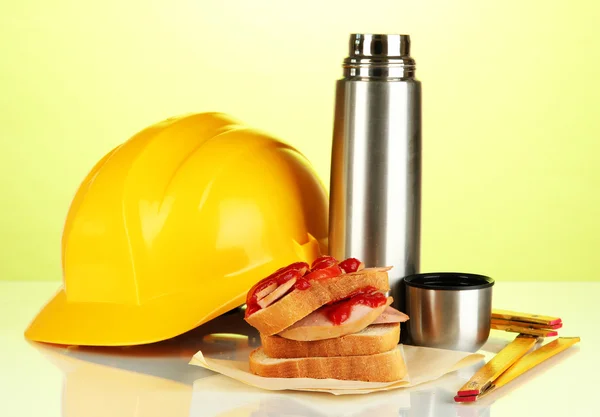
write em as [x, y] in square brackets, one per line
[317, 326]
[277, 293]
[391, 315]
[266, 291]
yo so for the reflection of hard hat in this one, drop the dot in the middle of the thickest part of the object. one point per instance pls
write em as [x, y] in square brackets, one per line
[171, 229]
[92, 389]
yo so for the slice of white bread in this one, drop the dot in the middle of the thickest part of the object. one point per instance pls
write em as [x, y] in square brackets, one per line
[382, 367]
[373, 339]
[300, 303]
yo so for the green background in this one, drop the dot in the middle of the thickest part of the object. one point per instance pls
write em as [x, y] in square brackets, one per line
[510, 89]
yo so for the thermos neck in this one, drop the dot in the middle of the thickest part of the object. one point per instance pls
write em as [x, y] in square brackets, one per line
[379, 56]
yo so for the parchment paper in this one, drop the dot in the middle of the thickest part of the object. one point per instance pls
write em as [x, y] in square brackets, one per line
[423, 365]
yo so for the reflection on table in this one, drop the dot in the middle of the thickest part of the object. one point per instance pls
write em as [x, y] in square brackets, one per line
[157, 379]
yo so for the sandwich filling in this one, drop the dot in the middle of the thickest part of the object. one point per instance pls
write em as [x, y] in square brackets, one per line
[364, 304]
[353, 308]
[296, 276]
[340, 310]
[341, 318]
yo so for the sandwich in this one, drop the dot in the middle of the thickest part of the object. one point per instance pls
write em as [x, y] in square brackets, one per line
[328, 320]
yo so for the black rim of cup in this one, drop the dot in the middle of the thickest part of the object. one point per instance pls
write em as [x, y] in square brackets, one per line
[449, 281]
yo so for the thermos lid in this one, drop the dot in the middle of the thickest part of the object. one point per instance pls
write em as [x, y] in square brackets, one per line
[379, 56]
[379, 45]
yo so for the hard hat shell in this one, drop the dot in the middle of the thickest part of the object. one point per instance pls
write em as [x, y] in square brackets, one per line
[171, 228]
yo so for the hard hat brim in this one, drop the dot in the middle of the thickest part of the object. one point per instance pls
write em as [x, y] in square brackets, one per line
[106, 324]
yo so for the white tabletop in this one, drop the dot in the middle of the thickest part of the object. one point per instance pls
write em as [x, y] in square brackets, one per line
[39, 380]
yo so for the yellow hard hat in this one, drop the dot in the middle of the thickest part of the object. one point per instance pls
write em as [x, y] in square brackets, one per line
[171, 228]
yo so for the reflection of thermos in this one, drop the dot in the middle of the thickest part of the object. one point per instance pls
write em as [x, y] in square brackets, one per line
[375, 190]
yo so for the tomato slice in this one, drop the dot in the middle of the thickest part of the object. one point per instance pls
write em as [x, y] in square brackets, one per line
[323, 262]
[351, 265]
[302, 284]
[328, 272]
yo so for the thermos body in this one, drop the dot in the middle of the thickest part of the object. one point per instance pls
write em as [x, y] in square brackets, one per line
[375, 189]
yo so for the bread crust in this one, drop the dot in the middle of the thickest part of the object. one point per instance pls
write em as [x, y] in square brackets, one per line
[379, 338]
[300, 303]
[387, 366]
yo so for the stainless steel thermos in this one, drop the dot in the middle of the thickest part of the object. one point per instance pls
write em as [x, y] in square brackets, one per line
[375, 189]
